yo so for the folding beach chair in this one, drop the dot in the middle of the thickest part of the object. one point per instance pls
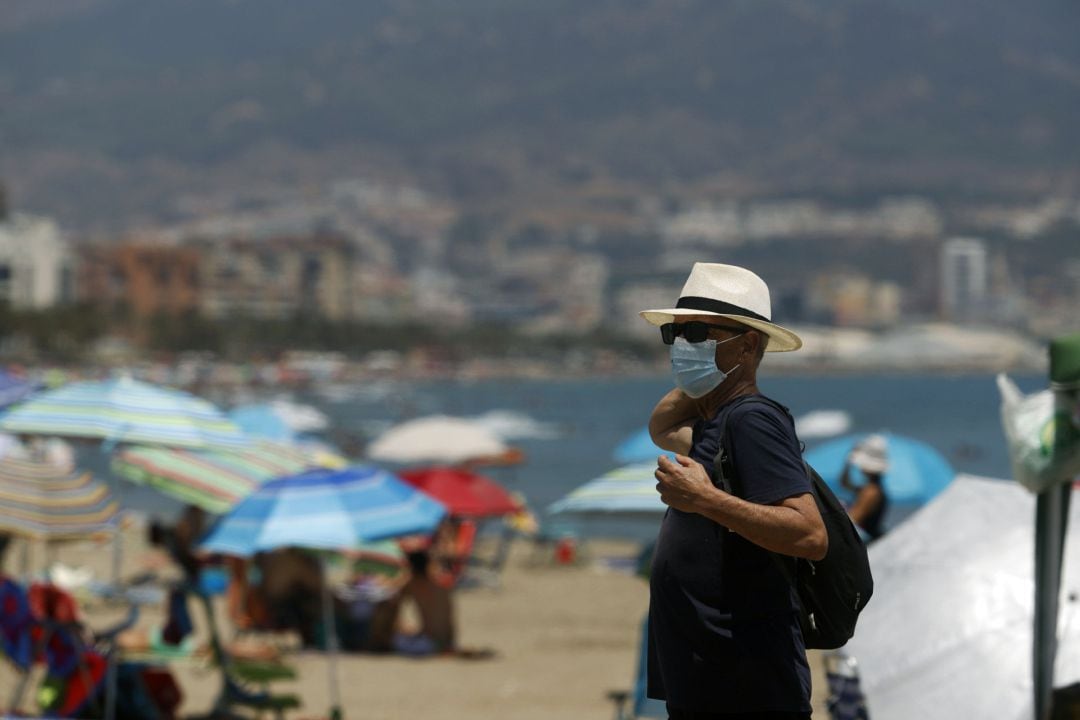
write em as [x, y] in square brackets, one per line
[244, 683]
[77, 659]
[16, 641]
[846, 700]
[640, 705]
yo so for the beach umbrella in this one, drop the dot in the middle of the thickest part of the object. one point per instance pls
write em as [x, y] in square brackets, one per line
[42, 501]
[14, 388]
[437, 438]
[917, 472]
[381, 557]
[822, 423]
[464, 493]
[638, 447]
[300, 417]
[213, 480]
[124, 410]
[949, 630]
[261, 421]
[325, 510]
[628, 490]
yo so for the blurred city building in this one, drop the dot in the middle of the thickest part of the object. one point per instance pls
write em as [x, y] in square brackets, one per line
[965, 279]
[850, 299]
[141, 278]
[276, 278]
[36, 263]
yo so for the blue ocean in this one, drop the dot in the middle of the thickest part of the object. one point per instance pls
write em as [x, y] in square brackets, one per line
[587, 418]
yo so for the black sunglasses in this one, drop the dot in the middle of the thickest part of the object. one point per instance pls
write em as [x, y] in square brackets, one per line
[694, 331]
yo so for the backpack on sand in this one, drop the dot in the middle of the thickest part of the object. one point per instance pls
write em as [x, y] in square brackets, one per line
[831, 591]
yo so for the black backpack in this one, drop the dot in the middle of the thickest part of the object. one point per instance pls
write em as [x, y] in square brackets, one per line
[831, 591]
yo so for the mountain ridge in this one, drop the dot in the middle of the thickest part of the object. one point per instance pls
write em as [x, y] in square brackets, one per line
[163, 98]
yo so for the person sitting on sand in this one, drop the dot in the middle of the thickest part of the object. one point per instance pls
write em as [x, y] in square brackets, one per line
[434, 604]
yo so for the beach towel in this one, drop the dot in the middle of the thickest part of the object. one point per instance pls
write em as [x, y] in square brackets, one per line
[15, 624]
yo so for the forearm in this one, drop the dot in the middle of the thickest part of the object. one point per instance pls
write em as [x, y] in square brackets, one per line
[671, 425]
[780, 528]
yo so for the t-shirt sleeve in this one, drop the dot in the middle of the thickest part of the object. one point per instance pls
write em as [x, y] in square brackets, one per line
[766, 454]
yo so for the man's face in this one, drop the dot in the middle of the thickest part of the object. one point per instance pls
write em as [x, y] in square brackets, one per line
[720, 329]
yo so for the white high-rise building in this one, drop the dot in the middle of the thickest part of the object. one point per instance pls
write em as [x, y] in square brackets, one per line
[35, 263]
[965, 279]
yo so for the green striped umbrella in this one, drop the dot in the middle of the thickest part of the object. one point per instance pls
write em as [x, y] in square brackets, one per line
[43, 501]
[211, 479]
[125, 411]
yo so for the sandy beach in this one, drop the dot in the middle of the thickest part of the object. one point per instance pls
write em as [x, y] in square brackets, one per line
[561, 636]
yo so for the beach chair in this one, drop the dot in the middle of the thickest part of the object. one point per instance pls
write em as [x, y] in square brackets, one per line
[78, 660]
[846, 700]
[244, 683]
[16, 640]
[633, 704]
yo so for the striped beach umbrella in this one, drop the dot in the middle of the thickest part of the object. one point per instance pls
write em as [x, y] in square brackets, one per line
[324, 509]
[124, 410]
[213, 480]
[630, 489]
[43, 501]
[14, 388]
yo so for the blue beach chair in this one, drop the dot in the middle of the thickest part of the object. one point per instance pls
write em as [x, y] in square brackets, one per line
[640, 705]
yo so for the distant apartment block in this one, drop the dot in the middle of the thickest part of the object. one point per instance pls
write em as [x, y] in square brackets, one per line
[140, 278]
[848, 299]
[277, 278]
[35, 263]
[964, 278]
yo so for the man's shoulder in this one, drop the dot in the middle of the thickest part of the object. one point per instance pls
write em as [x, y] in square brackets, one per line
[756, 407]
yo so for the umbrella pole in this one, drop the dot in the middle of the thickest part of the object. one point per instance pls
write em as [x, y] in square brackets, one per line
[1051, 524]
[331, 638]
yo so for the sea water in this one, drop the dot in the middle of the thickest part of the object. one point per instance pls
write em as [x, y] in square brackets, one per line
[959, 415]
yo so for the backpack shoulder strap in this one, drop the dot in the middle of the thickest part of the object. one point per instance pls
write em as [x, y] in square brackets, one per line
[723, 464]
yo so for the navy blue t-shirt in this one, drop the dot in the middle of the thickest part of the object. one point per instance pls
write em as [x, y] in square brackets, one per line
[723, 620]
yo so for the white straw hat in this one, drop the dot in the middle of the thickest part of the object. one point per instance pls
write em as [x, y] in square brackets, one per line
[732, 292]
[872, 454]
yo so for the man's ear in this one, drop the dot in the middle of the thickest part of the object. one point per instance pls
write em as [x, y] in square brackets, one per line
[750, 346]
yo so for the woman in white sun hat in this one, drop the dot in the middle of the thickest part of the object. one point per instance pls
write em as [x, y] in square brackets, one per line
[871, 456]
[724, 636]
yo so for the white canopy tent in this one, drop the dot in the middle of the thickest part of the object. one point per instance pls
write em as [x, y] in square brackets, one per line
[948, 632]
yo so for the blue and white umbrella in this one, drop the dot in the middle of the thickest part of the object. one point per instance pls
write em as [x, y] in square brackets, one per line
[916, 474]
[14, 388]
[125, 410]
[325, 510]
[630, 489]
[262, 421]
[637, 447]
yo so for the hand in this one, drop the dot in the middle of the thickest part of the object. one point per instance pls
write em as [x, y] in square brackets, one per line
[682, 484]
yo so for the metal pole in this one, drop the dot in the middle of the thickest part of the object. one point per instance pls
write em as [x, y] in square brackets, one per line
[332, 645]
[1051, 518]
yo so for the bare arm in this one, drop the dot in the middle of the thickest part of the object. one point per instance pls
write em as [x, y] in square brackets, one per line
[671, 424]
[792, 526]
[866, 502]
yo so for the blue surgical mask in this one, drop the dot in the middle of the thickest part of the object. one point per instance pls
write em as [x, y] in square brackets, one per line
[694, 366]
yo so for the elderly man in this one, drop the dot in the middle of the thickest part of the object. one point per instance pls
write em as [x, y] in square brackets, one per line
[724, 635]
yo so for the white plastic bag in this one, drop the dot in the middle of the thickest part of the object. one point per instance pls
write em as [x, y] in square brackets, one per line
[1043, 435]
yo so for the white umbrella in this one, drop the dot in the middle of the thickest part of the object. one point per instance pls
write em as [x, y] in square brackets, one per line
[299, 416]
[436, 438]
[948, 631]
